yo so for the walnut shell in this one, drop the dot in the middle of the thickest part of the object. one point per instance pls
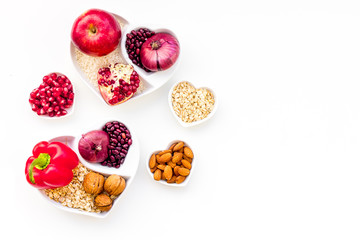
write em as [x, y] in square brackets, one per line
[114, 184]
[93, 183]
[103, 202]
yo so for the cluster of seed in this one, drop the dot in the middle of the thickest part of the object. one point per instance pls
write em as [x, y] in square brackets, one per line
[120, 141]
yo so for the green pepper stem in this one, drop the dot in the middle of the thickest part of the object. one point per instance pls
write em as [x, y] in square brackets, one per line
[41, 162]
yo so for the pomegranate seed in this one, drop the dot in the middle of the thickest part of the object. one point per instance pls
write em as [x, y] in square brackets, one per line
[53, 76]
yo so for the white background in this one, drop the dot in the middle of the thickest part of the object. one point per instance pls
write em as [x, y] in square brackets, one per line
[280, 158]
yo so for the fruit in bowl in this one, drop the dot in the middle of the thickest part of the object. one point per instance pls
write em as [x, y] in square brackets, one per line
[96, 32]
[117, 83]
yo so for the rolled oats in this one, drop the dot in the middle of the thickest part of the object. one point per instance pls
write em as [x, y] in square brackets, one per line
[191, 104]
[73, 195]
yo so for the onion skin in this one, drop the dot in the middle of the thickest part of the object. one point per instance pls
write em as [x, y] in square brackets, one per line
[159, 52]
[93, 146]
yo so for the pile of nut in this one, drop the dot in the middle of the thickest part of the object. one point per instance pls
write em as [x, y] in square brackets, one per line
[172, 165]
[104, 190]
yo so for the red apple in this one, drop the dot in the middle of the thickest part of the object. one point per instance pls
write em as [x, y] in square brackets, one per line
[96, 32]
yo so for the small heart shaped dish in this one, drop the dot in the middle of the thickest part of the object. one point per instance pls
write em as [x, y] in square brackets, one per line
[72, 198]
[192, 106]
[118, 88]
[173, 166]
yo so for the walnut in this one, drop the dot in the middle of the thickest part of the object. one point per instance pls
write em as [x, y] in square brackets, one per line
[103, 202]
[114, 184]
[93, 183]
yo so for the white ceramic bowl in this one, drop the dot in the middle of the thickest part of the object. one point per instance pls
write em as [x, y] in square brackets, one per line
[69, 110]
[151, 81]
[187, 179]
[185, 124]
[127, 170]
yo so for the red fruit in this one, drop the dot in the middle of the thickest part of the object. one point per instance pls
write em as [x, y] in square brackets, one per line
[117, 83]
[96, 32]
[51, 98]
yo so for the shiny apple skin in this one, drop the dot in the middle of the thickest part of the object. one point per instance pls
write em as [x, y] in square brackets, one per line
[96, 32]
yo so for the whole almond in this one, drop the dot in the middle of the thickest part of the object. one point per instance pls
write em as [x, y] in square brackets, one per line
[165, 151]
[172, 180]
[188, 152]
[177, 157]
[186, 164]
[152, 161]
[153, 169]
[165, 158]
[161, 166]
[176, 170]
[172, 147]
[184, 171]
[168, 172]
[157, 156]
[187, 158]
[178, 146]
[180, 179]
[171, 164]
[157, 175]
[163, 176]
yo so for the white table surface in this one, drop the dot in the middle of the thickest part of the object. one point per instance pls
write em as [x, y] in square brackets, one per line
[280, 158]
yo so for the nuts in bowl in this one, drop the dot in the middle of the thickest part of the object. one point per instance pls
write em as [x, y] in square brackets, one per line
[172, 166]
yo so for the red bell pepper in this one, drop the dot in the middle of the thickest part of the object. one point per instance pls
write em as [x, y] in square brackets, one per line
[51, 165]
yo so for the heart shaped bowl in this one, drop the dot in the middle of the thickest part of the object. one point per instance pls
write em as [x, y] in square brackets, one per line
[127, 171]
[69, 110]
[163, 182]
[88, 66]
[194, 123]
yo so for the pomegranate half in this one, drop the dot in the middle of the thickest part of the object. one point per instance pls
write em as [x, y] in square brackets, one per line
[117, 83]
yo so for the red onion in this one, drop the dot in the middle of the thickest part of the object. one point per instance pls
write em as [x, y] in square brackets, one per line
[93, 146]
[159, 52]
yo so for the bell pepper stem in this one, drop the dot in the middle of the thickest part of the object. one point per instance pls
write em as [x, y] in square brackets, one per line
[41, 162]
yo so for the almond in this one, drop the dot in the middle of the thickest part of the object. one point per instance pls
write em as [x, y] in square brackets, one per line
[153, 169]
[157, 174]
[176, 170]
[172, 180]
[178, 146]
[165, 151]
[152, 161]
[187, 158]
[186, 164]
[165, 158]
[161, 166]
[168, 172]
[163, 176]
[172, 147]
[177, 157]
[157, 158]
[184, 171]
[171, 164]
[180, 179]
[188, 152]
